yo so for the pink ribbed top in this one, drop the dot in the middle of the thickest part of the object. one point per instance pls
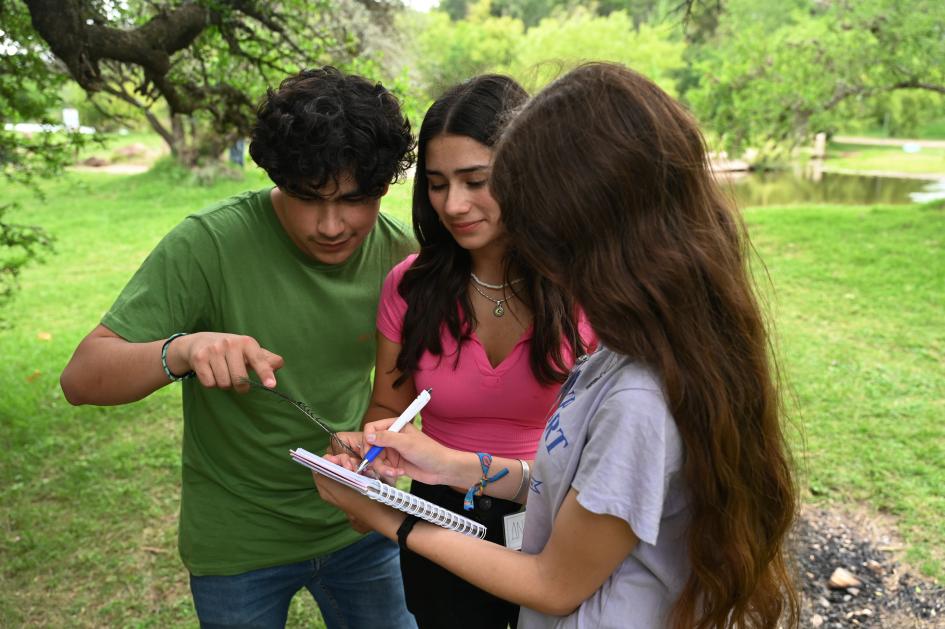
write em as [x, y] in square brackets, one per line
[476, 407]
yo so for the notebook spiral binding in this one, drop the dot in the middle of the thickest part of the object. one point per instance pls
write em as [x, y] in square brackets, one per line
[389, 495]
[408, 503]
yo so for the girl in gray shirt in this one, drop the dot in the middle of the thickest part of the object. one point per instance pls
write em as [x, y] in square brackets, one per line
[662, 492]
[613, 441]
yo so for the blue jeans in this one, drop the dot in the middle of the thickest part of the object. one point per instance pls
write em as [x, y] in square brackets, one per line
[356, 587]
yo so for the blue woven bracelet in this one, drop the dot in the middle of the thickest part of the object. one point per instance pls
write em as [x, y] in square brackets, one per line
[485, 462]
[167, 370]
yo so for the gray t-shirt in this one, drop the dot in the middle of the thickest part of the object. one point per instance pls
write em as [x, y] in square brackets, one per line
[614, 440]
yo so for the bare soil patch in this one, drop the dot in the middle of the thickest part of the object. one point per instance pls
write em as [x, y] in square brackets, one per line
[890, 594]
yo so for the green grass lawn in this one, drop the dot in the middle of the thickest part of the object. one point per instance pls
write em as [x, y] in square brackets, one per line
[89, 496]
[885, 158]
[858, 299]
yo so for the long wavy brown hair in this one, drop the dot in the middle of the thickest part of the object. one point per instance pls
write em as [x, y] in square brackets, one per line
[605, 187]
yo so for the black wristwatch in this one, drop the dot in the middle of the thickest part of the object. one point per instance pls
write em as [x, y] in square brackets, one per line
[405, 527]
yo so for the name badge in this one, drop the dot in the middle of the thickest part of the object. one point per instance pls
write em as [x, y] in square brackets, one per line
[514, 525]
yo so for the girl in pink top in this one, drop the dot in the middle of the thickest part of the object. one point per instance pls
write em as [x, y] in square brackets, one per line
[469, 318]
[478, 406]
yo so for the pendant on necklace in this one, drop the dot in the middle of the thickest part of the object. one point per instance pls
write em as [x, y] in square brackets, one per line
[499, 310]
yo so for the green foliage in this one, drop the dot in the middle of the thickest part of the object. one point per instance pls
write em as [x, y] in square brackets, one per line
[761, 75]
[642, 11]
[559, 43]
[446, 52]
[531, 12]
[933, 129]
[904, 114]
[28, 93]
[413, 100]
[776, 73]
[18, 245]
[196, 70]
[206, 174]
[455, 9]
[106, 113]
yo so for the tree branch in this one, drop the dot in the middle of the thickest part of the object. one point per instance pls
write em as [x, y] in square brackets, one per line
[920, 85]
[149, 50]
[81, 46]
[153, 120]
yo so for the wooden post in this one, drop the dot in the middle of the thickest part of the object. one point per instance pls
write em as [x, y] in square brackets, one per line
[820, 146]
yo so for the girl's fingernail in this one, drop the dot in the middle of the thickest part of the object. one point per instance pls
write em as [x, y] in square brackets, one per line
[370, 437]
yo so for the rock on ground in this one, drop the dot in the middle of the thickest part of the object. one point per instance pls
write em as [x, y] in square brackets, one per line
[889, 594]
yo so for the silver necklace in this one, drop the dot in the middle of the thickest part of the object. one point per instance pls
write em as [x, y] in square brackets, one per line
[494, 286]
[499, 310]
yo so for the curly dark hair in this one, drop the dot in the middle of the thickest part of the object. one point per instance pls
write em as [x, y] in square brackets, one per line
[321, 124]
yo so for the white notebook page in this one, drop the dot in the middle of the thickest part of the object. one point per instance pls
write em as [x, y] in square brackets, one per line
[381, 492]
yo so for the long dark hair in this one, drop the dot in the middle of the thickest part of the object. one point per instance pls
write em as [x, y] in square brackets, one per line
[438, 278]
[622, 209]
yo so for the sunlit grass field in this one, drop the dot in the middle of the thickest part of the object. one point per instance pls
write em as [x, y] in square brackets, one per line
[886, 159]
[89, 496]
[858, 300]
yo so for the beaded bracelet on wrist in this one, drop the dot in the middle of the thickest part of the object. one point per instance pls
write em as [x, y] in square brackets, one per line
[167, 370]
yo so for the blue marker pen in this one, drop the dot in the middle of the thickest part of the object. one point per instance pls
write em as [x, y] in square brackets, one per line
[411, 411]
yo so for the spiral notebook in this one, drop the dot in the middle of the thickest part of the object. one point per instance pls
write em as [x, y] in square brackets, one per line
[382, 492]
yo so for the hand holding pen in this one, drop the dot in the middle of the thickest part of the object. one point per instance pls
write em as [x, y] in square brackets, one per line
[405, 418]
[413, 454]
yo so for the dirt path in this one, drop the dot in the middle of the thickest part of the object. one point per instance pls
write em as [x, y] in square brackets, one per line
[132, 158]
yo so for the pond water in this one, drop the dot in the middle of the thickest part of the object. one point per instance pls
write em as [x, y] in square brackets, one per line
[798, 187]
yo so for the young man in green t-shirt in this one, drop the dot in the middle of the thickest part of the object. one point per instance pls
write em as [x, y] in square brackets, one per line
[283, 282]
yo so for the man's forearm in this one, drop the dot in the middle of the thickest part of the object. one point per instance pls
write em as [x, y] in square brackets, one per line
[110, 370]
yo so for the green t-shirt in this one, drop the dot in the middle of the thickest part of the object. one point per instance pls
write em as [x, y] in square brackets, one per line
[232, 268]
